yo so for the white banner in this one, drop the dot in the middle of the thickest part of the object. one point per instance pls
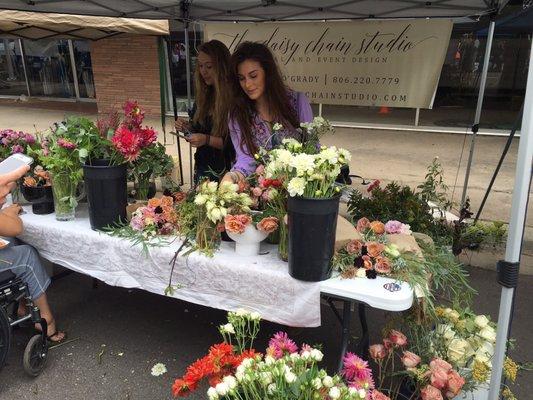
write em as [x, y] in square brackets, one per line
[394, 63]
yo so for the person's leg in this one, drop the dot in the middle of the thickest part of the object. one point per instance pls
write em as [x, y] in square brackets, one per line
[46, 313]
[24, 262]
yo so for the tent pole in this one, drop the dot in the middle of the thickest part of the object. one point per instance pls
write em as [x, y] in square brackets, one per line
[189, 105]
[481, 94]
[508, 270]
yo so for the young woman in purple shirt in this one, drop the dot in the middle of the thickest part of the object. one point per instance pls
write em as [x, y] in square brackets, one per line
[261, 100]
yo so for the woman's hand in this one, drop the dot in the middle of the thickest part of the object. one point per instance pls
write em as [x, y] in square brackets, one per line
[182, 125]
[8, 181]
[197, 139]
[13, 210]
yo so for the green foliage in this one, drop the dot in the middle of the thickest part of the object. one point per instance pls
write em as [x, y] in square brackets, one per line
[485, 234]
[434, 189]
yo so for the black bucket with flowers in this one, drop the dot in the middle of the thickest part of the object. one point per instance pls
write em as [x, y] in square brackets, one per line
[36, 188]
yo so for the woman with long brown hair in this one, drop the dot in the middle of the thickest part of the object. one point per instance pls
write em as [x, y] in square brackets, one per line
[260, 101]
[209, 116]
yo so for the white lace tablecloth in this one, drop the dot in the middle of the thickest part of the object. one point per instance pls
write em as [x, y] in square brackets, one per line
[226, 281]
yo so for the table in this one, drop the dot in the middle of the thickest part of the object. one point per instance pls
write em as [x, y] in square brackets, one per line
[226, 281]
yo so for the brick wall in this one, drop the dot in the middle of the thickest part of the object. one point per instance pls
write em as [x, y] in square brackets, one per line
[126, 67]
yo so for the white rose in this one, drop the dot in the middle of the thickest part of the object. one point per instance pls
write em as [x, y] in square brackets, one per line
[212, 393]
[489, 334]
[230, 381]
[294, 356]
[457, 350]
[266, 378]
[317, 383]
[334, 393]
[481, 321]
[277, 127]
[200, 199]
[271, 389]
[269, 360]
[317, 355]
[360, 273]
[290, 377]
[228, 328]
[446, 331]
[482, 357]
[255, 316]
[327, 381]
[296, 187]
[306, 355]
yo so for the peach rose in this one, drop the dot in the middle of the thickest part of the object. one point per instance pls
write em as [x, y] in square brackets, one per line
[233, 225]
[439, 378]
[388, 344]
[431, 393]
[377, 227]
[378, 351]
[367, 262]
[397, 338]
[455, 384]
[257, 191]
[377, 395]
[410, 360]
[438, 363]
[354, 247]
[167, 201]
[374, 249]
[244, 219]
[30, 181]
[383, 265]
[363, 224]
[268, 224]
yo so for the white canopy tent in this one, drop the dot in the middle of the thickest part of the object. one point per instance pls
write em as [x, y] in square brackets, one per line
[293, 10]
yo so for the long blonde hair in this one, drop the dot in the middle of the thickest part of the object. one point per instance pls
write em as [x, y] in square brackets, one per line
[214, 100]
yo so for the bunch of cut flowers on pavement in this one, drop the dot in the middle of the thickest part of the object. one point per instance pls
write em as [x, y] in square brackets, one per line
[151, 225]
[234, 370]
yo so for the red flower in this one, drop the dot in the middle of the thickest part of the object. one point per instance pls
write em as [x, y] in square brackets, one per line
[134, 114]
[397, 338]
[373, 186]
[127, 143]
[147, 136]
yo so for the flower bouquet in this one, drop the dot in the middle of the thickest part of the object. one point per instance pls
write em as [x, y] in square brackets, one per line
[234, 370]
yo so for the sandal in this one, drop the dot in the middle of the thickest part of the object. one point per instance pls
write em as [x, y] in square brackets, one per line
[56, 342]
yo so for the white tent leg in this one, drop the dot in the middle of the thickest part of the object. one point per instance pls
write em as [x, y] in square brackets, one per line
[479, 106]
[516, 230]
[189, 105]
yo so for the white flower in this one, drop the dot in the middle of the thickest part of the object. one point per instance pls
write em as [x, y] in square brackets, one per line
[255, 316]
[294, 356]
[290, 377]
[269, 360]
[159, 369]
[303, 163]
[330, 155]
[306, 355]
[489, 334]
[212, 393]
[266, 378]
[222, 388]
[230, 381]
[446, 331]
[277, 127]
[200, 199]
[327, 381]
[360, 273]
[271, 389]
[334, 393]
[247, 362]
[317, 355]
[239, 375]
[481, 321]
[228, 328]
[362, 393]
[345, 155]
[458, 351]
[296, 187]
[317, 383]
[241, 312]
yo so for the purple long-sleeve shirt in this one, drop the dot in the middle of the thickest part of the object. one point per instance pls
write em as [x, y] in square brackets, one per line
[244, 162]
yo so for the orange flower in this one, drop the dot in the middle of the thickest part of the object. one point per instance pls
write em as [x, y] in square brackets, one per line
[154, 203]
[374, 249]
[167, 201]
[179, 196]
[354, 247]
[244, 219]
[233, 225]
[383, 265]
[367, 262]
[378, 227]
[30, 181]
[363, 224]
[268, 224]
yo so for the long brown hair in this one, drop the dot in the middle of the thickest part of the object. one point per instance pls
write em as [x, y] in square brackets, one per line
[276, 93]
[212, 100]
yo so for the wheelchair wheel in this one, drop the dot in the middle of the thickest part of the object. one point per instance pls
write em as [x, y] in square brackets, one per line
[5, 337]
[35, 355]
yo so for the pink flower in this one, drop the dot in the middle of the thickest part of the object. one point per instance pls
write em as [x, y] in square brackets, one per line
[257, 191]
[377, 395]
[127, 143]
[393, 227]
[363, 224]
[410, 360]
[305, 347]
[147, 136]
[388, 344]
[455, 384]
[233, 224]
[244, 219]
[354, 247]
[373, 185]
[260, 170]
[356, 371]
[280, 344]
[134, 114]
[383, 265]
[378, 351]
[439, 378]
[17, 149]
[431, 393]
[137, 223]
[66, 144]
[397, 338]
[406, 229]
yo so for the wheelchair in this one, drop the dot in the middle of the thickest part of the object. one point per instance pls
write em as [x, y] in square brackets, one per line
[13, 290]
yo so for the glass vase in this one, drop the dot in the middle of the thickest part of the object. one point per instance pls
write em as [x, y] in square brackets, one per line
[144, 188]
[64, 190]
[283, 246]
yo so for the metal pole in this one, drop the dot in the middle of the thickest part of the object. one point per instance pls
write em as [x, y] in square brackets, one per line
[320, 109]
[24, 67]
[516, 230]
[479, 106]
[73, 68]
[189, 105]
[417, 116]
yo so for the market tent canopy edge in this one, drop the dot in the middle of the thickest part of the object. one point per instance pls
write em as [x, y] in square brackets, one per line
[31, 25]
[261, 10]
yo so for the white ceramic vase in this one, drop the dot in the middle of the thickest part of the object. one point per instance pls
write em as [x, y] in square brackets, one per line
[248, 242]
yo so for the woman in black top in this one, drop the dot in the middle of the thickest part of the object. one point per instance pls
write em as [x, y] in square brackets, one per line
[209, 116]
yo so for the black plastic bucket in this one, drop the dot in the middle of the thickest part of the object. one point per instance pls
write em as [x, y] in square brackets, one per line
[40, 197]
[106, 190]
[312, 228]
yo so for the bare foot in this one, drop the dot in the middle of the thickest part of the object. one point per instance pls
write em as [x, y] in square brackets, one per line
[53, 334]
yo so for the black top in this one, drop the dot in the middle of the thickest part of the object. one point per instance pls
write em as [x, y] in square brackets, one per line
[210, 162]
